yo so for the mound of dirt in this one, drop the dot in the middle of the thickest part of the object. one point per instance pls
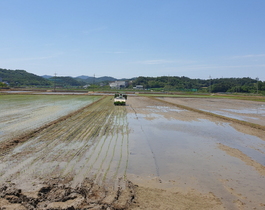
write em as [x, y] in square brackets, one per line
[56, 195]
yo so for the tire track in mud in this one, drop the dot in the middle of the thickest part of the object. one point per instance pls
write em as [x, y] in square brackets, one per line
[106, 131]
[54, 132]
[148, 143]
[86, 144]
[97, 161]
[121, 149]
[127, 150]
[118, 119]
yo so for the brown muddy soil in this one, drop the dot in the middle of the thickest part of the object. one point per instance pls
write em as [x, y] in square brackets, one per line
[174, 159]
[55, 194]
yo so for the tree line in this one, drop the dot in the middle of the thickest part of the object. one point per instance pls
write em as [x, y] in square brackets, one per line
[17, 78]
[171, 83]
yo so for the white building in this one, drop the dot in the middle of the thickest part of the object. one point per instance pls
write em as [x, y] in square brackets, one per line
[118, 84]
[138, 87]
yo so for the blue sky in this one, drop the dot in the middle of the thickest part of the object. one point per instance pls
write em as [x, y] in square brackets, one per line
[130, 38]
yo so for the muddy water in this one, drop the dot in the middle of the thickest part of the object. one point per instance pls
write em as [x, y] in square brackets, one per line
[170, 148]
[249, 111]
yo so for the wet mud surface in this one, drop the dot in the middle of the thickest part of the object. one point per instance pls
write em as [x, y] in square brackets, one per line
[21, 114]
[249, 111]
[188, 152]
[92, 143]
[145, 155]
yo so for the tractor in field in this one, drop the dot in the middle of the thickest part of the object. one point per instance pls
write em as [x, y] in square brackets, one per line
[120, 99]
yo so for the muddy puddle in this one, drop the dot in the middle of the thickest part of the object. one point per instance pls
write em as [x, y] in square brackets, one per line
[171, 151]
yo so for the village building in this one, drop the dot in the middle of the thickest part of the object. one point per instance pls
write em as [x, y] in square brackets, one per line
[118, 84]
[138, 87]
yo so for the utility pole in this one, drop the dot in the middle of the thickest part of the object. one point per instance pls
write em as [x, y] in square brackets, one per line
[168, 82]
[54, 84]
[94, 83]
[210, 90]
[257, 85]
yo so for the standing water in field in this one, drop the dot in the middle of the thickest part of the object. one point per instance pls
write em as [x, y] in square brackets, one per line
[173, 148]
[23, 113]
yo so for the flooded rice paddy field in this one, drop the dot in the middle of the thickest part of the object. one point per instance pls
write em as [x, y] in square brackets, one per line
[250, 111]
[179, 159]
[22, 113]
[177, 149]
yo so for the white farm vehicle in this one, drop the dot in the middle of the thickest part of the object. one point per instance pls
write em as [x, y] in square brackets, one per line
[120, 99]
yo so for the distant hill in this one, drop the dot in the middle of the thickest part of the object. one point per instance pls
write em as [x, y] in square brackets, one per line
[83, 77]
[94, 80]
[80, 80]
[46, 76]
[87, 79]
[22, 78]
[66, 81]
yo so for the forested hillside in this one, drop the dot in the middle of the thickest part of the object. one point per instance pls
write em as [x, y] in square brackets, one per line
[66, 81]
[22, 78]
[94, 80]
